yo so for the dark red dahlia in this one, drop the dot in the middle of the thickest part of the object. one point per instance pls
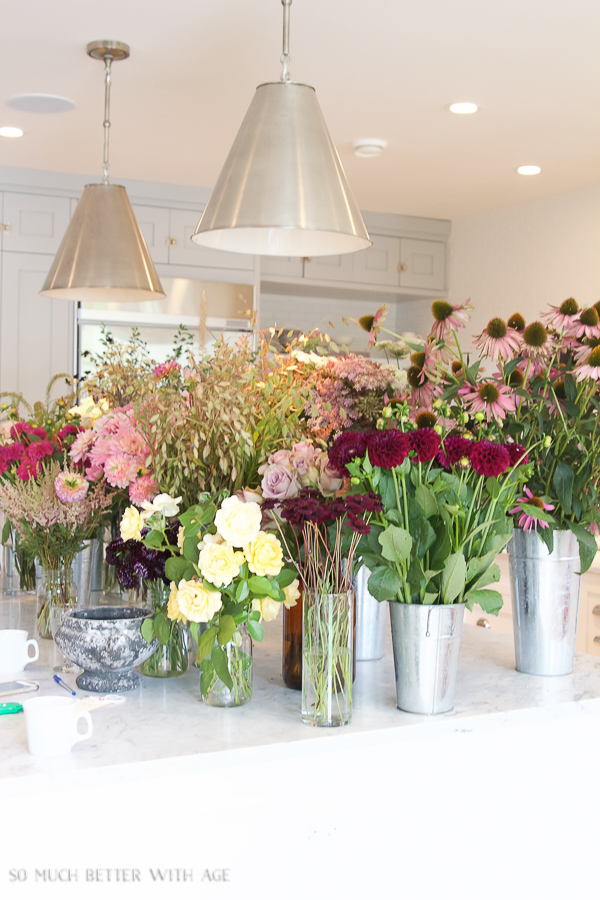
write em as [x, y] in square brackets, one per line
[426, 444]
[388, 449]
[517, 454]
[454, 449]
[489, 459]
[346, 447]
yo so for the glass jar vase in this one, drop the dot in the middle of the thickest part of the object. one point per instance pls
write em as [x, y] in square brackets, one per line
[56, 588]
[239, 662]
[327, 658]
[170, 659]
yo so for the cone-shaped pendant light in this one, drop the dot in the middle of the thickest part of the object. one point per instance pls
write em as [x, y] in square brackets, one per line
[282, 190]
[103, 255]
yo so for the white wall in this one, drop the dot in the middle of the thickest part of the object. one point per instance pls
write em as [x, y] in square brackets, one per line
[527, 256]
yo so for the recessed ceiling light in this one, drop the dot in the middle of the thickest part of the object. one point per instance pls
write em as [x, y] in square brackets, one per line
[40, 103]
[9, 131]
[369, 146]
[529, 170]
[464, 108]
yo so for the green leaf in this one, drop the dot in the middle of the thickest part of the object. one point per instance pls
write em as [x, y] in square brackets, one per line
[162, 628]
[453, 577]
[147, 630]
[490, 576]
[285, 577]
[563, 483]
[263, 587]
[206, 676]
[218, 658]
[6, 531]
[429, 598]
[242, 591]
[396, 544]
[256, 630]
[537, 513]
[177, 569]
[490, 601]
[426, 500]
[423, 536]
[226, 629]
[206, 643]
[190, 548]
[384, 584]
[587, 545]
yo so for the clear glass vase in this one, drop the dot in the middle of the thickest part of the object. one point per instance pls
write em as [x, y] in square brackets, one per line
[170, 659]
[327, 640]
[239, 661]
[56, 588]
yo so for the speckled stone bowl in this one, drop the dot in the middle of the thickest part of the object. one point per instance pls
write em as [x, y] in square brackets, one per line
[107, 642]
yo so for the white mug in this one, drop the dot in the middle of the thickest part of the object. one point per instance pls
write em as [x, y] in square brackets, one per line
[51, 724]
[14, 651]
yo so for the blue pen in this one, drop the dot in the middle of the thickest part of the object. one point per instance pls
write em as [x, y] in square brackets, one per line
[64, 685]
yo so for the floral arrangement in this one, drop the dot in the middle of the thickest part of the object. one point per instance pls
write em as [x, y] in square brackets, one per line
[287, 472]
[542, 395]
[225, 571]
[444, 508]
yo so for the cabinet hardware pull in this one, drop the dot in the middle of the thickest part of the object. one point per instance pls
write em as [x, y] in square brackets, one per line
[597, 639]
[402, 267]
[483, 623]
[171, 241]
[306, 259]
[5, 226]
[596, 611]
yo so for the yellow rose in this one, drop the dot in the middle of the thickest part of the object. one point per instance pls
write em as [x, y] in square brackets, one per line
[292, 594]
[237, 522]
[217, 564]
[267, 607]
[131, 525]
[195, 602]
[173, 611]
[265, 555]
[180, 538]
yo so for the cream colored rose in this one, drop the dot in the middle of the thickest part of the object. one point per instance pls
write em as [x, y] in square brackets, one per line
[265, 555]
[164, 503]
[173, 611]
[237, 522]
[180, 537]
[267, 607]
[292, 594]
[218, 565]
[209, 539]
[195, 602]
[131, 525]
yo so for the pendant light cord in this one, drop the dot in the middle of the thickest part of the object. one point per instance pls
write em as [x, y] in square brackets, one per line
[285, 56]
[107, 61]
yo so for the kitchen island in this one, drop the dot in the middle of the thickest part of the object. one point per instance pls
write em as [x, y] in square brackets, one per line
[250, 802]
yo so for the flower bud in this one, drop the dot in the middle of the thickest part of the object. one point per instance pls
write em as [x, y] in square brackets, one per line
[547, 442]
[355, 480]
[387, 413]
[380, 424]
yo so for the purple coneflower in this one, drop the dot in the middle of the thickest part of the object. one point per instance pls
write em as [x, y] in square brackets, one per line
[563, 316]
[491, 398]
[586, 325]
[422, 390]
[527, 521]
[497, 340]
[372, 324]
[535, 341]
[448, 316]
[589, 366]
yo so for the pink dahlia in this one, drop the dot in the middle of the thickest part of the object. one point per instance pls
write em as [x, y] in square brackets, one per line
[497, 340]
[426, 444]
[527, 521]
[100, 451]
[491, 398]
[143, 488]
[388, 449]
[70, 487]
[40, 449]
[448, 317]
[120, 471]
[489, 458]
[81, 446]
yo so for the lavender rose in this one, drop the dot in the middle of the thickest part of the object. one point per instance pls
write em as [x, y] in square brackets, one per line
[279, 482]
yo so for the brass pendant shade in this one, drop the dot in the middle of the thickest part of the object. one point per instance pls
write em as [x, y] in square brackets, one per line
[103, 255]
[282, 190]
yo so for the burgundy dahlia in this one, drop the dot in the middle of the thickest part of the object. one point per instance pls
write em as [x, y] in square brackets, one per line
[454, 449]
[388, 449]
[489, 459]
[517, 454]
[426, 444]
[346, 447]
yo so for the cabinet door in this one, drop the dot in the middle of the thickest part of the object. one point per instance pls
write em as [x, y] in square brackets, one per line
[37, 224]
[288, 266]
[185, 252]
[379, 263]
[589, 614]
[329, 268]
[36, 333]
[424, 262]
[154, 225]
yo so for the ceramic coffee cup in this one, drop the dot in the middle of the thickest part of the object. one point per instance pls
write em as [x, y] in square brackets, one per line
[14, 651]
[51, 724]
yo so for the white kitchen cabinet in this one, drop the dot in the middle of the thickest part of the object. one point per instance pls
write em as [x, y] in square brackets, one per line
[34, 223]
[36, 333]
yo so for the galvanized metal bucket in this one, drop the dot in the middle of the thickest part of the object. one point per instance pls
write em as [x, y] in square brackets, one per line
[426, 642]
[87, 571]
[545, 590]
[371, 619]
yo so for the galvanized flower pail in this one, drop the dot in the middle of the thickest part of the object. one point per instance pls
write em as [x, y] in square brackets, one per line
[426, 642]
[371, 619]
[545, 590]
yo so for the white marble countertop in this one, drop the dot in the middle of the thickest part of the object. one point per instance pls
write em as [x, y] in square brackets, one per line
[165, 720]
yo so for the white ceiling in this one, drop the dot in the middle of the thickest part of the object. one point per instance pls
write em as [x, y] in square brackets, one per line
[381, 68]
